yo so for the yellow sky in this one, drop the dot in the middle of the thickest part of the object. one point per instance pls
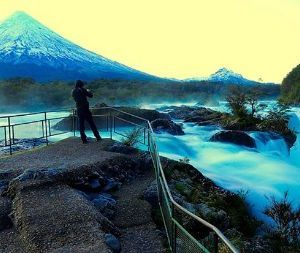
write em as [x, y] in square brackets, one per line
[179, 38]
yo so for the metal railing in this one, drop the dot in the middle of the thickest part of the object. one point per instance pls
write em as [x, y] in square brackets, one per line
[185, 231]
[16, 129]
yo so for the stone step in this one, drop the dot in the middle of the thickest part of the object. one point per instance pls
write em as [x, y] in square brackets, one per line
[62, 220]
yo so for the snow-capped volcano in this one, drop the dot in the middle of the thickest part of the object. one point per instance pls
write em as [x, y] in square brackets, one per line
[226, 76]
[30, 49]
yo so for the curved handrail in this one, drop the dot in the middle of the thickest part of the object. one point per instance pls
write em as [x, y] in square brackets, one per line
[202, 221]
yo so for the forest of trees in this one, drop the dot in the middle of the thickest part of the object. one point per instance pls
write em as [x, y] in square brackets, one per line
[23, 94]
[290, 90]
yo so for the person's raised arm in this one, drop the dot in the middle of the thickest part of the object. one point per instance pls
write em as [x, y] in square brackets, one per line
[88, 93]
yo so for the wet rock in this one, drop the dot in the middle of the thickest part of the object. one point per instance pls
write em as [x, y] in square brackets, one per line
[103, 201]
[66, 123]
[199, 115]
[166, 125]
[29, 174]
[5, 209]
[94, 184]
[234, 137]
[111, 185]
[122, 149]
[21, 144]
[3, 186]
[113, 243]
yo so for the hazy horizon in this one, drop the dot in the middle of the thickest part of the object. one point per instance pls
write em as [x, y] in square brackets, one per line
[177, 39]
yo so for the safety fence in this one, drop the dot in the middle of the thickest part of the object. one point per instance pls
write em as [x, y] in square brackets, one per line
[185, 231]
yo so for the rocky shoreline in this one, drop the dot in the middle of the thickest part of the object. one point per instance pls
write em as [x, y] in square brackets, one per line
[233, 131]
[21, 144]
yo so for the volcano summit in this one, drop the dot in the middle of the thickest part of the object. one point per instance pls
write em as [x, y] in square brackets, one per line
[29, 49]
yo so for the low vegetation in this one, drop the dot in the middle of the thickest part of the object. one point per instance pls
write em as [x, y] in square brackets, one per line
[132, 137]
[26, 94]
[284, 235]
[247, 114]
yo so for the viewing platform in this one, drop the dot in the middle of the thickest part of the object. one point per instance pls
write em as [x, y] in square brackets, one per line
[53, 216]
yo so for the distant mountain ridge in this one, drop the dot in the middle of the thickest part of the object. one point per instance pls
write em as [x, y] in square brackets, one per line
[226, 76]
[30, 49]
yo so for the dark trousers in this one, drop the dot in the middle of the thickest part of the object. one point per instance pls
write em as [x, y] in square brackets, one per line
[86, 115]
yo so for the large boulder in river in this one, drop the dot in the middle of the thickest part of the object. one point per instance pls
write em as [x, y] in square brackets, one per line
[234, 137]
[166, 125]
[101, 115]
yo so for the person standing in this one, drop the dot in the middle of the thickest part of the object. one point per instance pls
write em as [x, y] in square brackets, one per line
[80, 95]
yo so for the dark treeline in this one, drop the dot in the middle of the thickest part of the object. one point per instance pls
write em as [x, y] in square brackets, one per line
[24, 94]
[290, 92]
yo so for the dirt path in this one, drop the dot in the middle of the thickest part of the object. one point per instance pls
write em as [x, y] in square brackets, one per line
[134, 218]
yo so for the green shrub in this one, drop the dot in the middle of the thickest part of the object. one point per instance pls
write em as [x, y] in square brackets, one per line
[132, 137]
[285, 233]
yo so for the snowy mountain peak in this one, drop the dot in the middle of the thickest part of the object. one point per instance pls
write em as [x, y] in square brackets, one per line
[224, 74]
[224, 71]
[30, 49]
[21, 22]
[20, 16]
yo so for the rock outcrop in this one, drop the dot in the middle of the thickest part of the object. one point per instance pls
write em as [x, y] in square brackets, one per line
[234, 137]
[167, 126]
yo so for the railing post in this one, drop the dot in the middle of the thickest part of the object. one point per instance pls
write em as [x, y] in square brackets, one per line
[174, 244]
[111, 125]
[5, 137]
[216, 243]
[9, 135]
[49, 127]
[46, 127]
[148, 135]
[43, 129]
[73, 122]
[13, 134]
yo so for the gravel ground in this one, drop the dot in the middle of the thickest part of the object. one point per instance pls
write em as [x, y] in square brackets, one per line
[66, 153]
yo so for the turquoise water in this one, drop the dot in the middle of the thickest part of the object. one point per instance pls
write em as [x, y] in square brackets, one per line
[266, 171]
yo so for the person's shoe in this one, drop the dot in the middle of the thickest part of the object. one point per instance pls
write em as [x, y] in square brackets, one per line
[99, 138]
[85, 142]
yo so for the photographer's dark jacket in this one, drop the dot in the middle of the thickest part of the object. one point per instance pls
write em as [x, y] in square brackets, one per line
[80, 96]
